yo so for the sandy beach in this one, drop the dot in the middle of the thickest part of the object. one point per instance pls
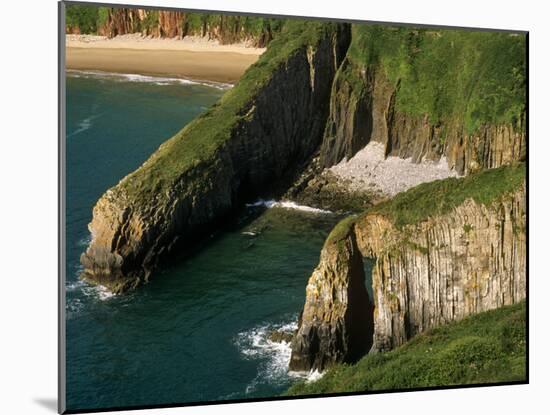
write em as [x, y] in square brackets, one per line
[191, 57]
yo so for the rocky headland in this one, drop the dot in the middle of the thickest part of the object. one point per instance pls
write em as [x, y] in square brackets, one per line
[401, 126]
[443, 251]
[268, 124]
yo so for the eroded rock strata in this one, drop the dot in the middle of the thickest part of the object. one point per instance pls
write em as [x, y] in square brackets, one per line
[446, 268]
[443, 267]
[263, 128]
[462, 119]
[336, 324]
[363, 109]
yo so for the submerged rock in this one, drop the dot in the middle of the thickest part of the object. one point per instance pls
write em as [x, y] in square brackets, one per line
[278, 336]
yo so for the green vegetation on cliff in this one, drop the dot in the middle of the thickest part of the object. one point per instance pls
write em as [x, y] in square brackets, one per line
[464, 76]
[233, 28]
[441, 196]
[200, 140]
[226, 28]
[87, 19]
[485, 348]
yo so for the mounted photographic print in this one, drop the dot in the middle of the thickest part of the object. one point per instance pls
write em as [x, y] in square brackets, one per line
[256, 207]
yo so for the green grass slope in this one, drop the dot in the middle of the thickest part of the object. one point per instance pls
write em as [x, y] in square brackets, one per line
[464, 76]
[485, 348]
[199, 141]
[441, 196]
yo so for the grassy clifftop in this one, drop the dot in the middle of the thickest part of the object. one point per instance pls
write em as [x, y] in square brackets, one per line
[469, 77]
[200, 139]
[439, 197]
[485, 348]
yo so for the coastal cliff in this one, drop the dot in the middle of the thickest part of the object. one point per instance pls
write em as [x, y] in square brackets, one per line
[426, 95]
[336, 324]
[444, 250]
[268, 124]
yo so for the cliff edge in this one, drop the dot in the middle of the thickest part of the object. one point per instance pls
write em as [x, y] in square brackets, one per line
[268, 124]
[444, 250]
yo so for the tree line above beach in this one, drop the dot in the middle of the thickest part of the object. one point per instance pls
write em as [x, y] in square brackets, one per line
[111, 22]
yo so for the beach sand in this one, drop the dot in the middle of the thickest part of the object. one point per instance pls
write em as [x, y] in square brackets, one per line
[193, 58]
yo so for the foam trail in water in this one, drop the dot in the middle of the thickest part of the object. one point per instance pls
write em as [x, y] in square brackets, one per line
[286, 204]
[86, 240]
[157, 80]
[273, 357]
[84, 125]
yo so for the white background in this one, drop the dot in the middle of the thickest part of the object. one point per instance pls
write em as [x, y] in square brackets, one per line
[28, 203]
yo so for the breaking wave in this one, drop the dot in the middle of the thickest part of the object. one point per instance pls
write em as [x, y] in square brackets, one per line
[286, 204]
[272, 357]
[157, 80]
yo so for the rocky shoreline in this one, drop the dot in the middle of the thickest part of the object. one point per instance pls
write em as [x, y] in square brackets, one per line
[260, 133]
[315, 112]
[465, 259]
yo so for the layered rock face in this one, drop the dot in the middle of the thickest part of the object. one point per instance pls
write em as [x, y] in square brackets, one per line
[444, 268]
[161, 23]
[363, 108]
[260, 131]
[336, 324]
[174, 24]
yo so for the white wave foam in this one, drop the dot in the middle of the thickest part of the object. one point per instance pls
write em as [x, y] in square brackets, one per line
[98, 292]
[273, 357]
[73, 307]
[76, 305]
[286, 204]
[311, 376]
[158, 80]
[74, 285]
[84, 125]
[85, 241]
[103, 293]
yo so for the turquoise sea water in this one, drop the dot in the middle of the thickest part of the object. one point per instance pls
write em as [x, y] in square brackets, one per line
[199, 331]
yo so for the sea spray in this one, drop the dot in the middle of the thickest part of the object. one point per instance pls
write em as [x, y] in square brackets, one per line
[287, 204]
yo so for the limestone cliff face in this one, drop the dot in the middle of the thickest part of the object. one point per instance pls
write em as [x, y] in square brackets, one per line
[442, 269]
[336, 324]
[446, 268]
[363, 108]
[191, 183]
